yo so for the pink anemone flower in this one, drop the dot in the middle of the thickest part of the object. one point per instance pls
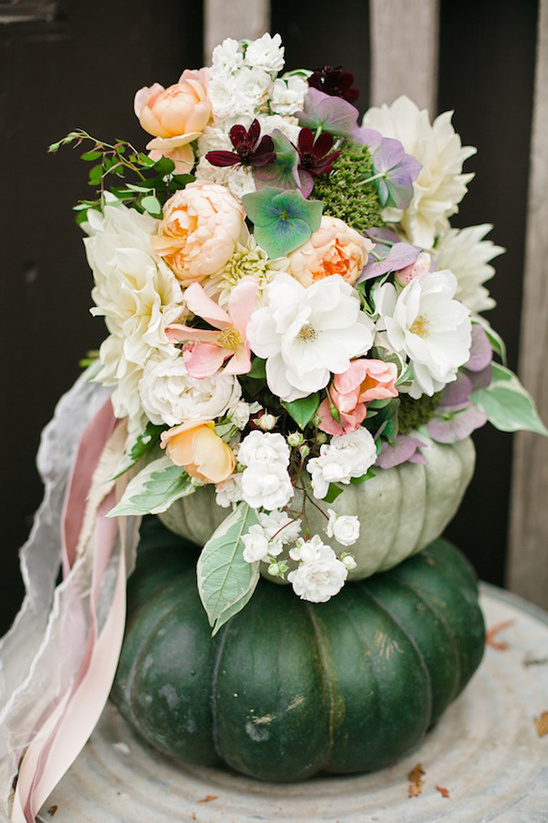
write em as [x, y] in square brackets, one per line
[211, 348]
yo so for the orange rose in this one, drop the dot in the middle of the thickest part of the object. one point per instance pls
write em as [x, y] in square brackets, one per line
[195, 446]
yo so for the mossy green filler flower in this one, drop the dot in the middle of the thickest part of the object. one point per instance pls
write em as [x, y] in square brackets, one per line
[343, 193]
[283, 220]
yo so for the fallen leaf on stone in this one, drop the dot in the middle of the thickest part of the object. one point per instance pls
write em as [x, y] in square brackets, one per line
[442, 791]
[541, 724]
[208, 798]
[490, 637]
[415, 780]
[52, 810]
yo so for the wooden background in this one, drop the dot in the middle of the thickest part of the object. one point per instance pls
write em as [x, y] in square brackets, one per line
[81, 67]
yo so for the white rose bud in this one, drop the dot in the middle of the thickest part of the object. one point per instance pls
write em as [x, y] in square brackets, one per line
[277, 569]
[304, 450]
[295, 439]
[348, 561]
[266, 422]
[345, 528]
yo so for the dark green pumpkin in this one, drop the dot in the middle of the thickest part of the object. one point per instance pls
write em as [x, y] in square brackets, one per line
[287, 688]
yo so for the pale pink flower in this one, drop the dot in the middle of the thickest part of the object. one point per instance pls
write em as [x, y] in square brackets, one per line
[199, 231]
[212, 348]
[175, 117]
[364, 381]
[420, 267]
[334, 248]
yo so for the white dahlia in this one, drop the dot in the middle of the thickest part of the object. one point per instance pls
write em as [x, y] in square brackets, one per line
[138, 296]
[467, 255]
[441, 185]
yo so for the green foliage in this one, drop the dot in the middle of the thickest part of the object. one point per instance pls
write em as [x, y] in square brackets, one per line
[225, 580]
[415, 413]
[130, 175]
[507, 404]
[302, 411]
[343, 193]
[142, 444]
[154, 489]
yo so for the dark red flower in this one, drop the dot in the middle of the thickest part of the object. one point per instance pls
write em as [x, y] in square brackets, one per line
[315, 156]
[249, 148]
[334, 81]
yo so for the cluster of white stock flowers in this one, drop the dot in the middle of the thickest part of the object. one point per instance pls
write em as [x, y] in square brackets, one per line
[346, 456]
[265, 480]
[320, 574]
[266, 539]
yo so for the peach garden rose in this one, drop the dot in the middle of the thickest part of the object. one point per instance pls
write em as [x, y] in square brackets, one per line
[199, 231]
[334, 248]
[174, 117]
[196, 447]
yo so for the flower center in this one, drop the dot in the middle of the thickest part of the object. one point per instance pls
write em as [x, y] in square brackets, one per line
[420, 326]
[307, 333]
[230, 338]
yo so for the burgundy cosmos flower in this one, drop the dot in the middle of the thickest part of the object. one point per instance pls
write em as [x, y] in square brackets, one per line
[334, 81]
[249, 148]
[313, 154]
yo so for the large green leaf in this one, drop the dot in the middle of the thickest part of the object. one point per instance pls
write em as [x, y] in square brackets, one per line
[154, 489]
[507, 404]
[225, 580]
[302, 411]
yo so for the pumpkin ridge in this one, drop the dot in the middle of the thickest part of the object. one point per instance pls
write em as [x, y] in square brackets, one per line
[222, 636]
[144, 647]
[464, 592]
[407, 631]
[430, 605]
[395, 535]
[327, 674]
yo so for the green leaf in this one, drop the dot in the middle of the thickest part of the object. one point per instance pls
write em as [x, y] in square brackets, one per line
[154, 489]
[95, 175]
[369, 475]
[142, 444]
[89, 156]
[497, 343]
[152, 205]
[332, 493]
[508, 406]
[163, 166]
[302, 411]
[182, 180]
[225, 580]
[258, 369]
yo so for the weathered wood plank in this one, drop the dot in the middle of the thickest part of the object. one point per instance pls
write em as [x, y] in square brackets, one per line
[528, 551]
[240, 19]
[404, 51]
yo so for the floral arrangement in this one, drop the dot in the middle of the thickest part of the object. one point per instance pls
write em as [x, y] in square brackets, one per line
[288, 308]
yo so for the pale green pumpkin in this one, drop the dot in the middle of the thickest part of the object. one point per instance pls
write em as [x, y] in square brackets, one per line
[401, 510]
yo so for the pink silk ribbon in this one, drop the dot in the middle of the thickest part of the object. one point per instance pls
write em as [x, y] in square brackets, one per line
[66, 726]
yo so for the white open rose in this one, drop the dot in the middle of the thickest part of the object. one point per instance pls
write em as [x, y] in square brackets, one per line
[170, 396]
[320, 574]
[345, 528]
[306, 334]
